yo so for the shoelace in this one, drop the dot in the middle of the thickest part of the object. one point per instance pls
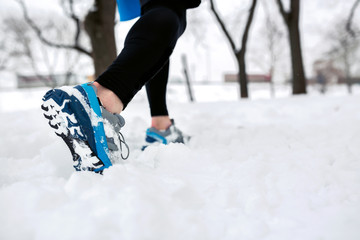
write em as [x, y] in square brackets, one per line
[122, 141]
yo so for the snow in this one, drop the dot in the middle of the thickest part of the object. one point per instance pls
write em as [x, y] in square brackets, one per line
[283, 168]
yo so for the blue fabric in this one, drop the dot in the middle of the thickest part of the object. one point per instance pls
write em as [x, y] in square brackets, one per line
[128, 9]
[98, 130]
[152, 137]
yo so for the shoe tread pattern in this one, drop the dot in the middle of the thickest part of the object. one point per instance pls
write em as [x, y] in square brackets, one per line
[58, 111]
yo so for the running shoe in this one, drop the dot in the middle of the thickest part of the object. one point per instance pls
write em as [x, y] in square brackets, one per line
[171, 135]
[91, 133]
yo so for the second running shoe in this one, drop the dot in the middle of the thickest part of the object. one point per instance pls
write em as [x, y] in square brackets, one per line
[170, 135]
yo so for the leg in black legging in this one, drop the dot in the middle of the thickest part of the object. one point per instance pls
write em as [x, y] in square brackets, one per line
[147, 49]
[156, 92]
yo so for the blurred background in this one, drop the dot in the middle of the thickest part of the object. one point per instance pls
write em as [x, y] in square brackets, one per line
[253, 49]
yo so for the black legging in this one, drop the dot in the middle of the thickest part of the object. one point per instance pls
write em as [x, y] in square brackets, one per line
[145, 56]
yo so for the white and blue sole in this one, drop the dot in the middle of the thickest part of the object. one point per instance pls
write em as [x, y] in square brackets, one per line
[75, 116]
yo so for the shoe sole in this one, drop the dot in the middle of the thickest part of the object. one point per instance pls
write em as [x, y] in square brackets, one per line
[64, 109]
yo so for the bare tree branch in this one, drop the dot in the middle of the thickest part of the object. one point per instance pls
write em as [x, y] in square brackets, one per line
[39, 33]
[284, 14]
[71, 14]
[223, 27]
[351, 16]
[291, 19]
[248, 24]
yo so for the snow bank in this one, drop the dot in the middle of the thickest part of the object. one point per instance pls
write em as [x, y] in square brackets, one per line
[267, 169]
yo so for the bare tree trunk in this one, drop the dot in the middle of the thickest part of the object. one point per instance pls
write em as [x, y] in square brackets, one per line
[99, 24]
[239, 54]
[242, 63]
[299, 80]
[242, 76]
[291, 19]
[187, 78]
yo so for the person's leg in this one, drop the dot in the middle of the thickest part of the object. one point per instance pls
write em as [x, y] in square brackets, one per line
[162, 128]
[156, 93]
[161, 122]
[147, 48]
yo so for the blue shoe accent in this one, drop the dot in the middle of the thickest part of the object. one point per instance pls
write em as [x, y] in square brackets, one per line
[100, 138]
[169, 135]
[152, 137]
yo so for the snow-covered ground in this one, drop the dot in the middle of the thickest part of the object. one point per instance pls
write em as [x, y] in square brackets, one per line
[279, 169]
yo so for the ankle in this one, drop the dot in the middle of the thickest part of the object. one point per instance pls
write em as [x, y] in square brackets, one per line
[161, 122]
[109, 99]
